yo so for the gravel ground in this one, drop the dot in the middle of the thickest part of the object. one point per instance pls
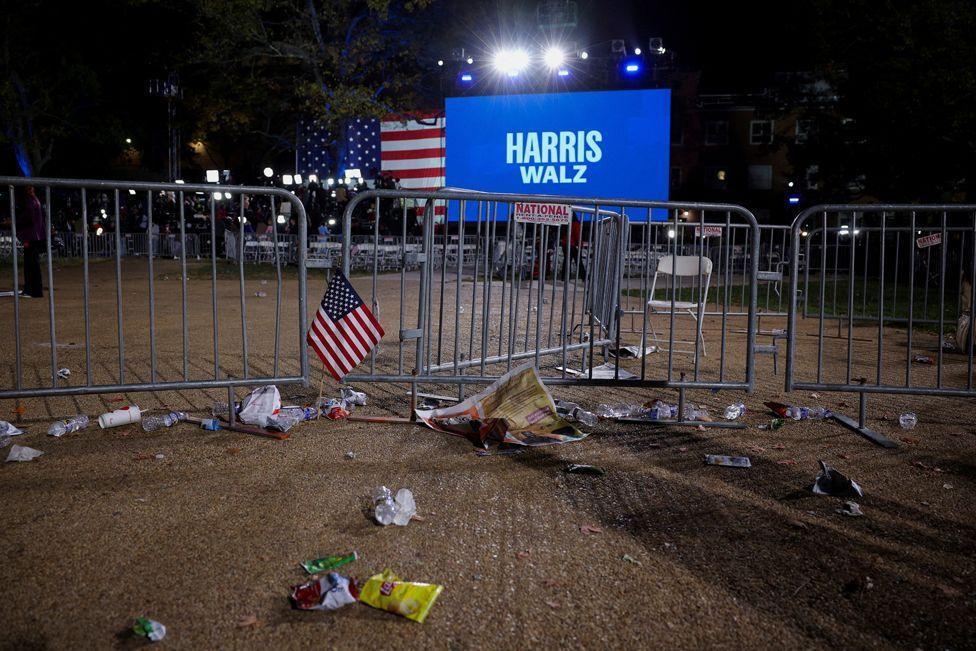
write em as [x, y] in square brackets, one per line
[99, 531]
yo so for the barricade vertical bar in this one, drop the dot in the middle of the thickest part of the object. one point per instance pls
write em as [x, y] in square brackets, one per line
[18, 356]
[491, 216]
[564, 324]
[972, 304]
[183, 300]
[373, 304]
[543, 254]
[403, 275]
[645, 289]
[513, 329]
[911, 302]
[942, 270]
[85, 287]
[753, 308]
[118, 287]
[555, 271]
[674, 296]
[278, 288]
[850, 295]
[457, 287]
[152, 289]
[595, 245]
[823, 298]
[50, 289]
[881, 298]
[474, 278]
[727, 281]
[532, 276]
[240, 276]
[213, 286]
[508, 255]
[440, 318]
[514, 260]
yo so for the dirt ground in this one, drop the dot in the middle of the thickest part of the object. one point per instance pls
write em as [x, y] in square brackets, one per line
[99, 531]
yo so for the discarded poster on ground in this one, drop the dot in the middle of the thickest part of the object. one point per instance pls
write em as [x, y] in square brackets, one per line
[832, 482]
[331, 592]
[387, 592]
[517, 408]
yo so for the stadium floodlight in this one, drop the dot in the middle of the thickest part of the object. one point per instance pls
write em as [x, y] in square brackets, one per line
[213, 176]
[298, 179]
[268, 172]
[218, 196]
[313, 178]
[132, 191]
[128, 141]
[584, 55]
[511, 62]
[554, 57]
[563, 72]
[287, 179]
[330, 181]
[332, 222]
[440, 62]
[637, 51]
[470, 60]
[281, 219]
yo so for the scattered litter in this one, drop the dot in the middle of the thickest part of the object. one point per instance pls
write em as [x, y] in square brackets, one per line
[948, 487]
[334, 409]
[587, 529]
[150, 628]
[908, 420]
[733, 412]
[925, 466]
[352, 397]
[682, 449]
[815, 396]
[583, 469]
[851, 509]
[159, 456]
[632, 352]
[153, 423]
[123, 416]
[328, 563]
[631, 559]
[620, 411]
[573, 413]
[210, 424]
[260, 294]
[350, 455]
[555, 605]
[923, 359]
[911, 440]
[832, 482]
[757, 449]
[73, 424]
[522, 555]
[787, 462]
[390, 510]
[779, 446]
[506, 452]
[846, 457]
[23, 453]
[260, 405]
[774, 424]
[731, 462]
[331, 592]
[9, 429]
[387, 592]
[249, 621]
[798, 413]
[64, 373]
[606, 371]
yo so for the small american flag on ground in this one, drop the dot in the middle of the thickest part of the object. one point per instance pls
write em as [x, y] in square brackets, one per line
[343, 330]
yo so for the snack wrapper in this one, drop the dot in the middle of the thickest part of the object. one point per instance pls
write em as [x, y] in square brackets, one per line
[387, 592]
[335, 409]
[331, 592]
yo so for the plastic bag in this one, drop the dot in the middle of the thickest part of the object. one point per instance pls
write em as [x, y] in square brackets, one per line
[8, 429]
[23, 453]
[260, 405]
[387, 592]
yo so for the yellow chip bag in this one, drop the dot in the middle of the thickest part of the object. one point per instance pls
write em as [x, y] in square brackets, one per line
[387, 592]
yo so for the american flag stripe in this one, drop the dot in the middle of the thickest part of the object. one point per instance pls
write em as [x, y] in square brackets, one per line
[352, 346]
[392, 131]
[414, 151]
[408, 154]
[411, 145]
[324, 350]
[339, 360]
[415, 163]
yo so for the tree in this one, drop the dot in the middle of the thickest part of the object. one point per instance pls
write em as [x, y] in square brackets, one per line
[904, 125]
[263, 66]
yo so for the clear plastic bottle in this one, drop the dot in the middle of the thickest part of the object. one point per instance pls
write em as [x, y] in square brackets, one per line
[219, 409]
[69, 425]
[908, 420]
[153, 423]
[807, 413]
[587, 418]
[298, 413]
[733, 412]
[384, 505]
[620, 411]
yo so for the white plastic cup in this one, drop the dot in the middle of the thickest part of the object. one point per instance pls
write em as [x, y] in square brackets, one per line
[124, 416]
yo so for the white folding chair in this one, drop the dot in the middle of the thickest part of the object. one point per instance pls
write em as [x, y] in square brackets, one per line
[682, 266]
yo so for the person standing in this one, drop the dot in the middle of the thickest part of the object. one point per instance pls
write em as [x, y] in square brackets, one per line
[31, 232]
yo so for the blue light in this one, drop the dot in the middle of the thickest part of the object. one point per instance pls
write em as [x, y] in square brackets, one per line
[563, 73]
[793, 199]
[632, 67]
[466, 77]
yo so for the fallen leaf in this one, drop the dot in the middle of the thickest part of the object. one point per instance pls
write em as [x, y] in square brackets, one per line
[843, 456]
[233, 450]
[418, 518]
[116, 399]
[757, 449]
[249, 621]
[787, 462]
[142, 457]
[522, 555]
[587, 529]
[19, 410]
[911, 440]
[555, 605]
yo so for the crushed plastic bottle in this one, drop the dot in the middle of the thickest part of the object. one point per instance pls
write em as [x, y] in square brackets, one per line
[807, 413]
[64, 373]
[69, 425]
[153, 423]
[693, 413]
[393, 510]
[219, 409]
[733, 412]
[620, 411]
[260, 294]
[574, 413]
[353, 397]
[299, 413]
[908, 420]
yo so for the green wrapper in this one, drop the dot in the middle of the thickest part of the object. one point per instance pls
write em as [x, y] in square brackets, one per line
[328, 563]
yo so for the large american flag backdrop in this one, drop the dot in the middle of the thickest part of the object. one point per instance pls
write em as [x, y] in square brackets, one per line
[408, 148]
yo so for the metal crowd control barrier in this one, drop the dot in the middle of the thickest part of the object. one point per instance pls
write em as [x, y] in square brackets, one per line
[526, 291]
[884, 272]
[149, 377]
